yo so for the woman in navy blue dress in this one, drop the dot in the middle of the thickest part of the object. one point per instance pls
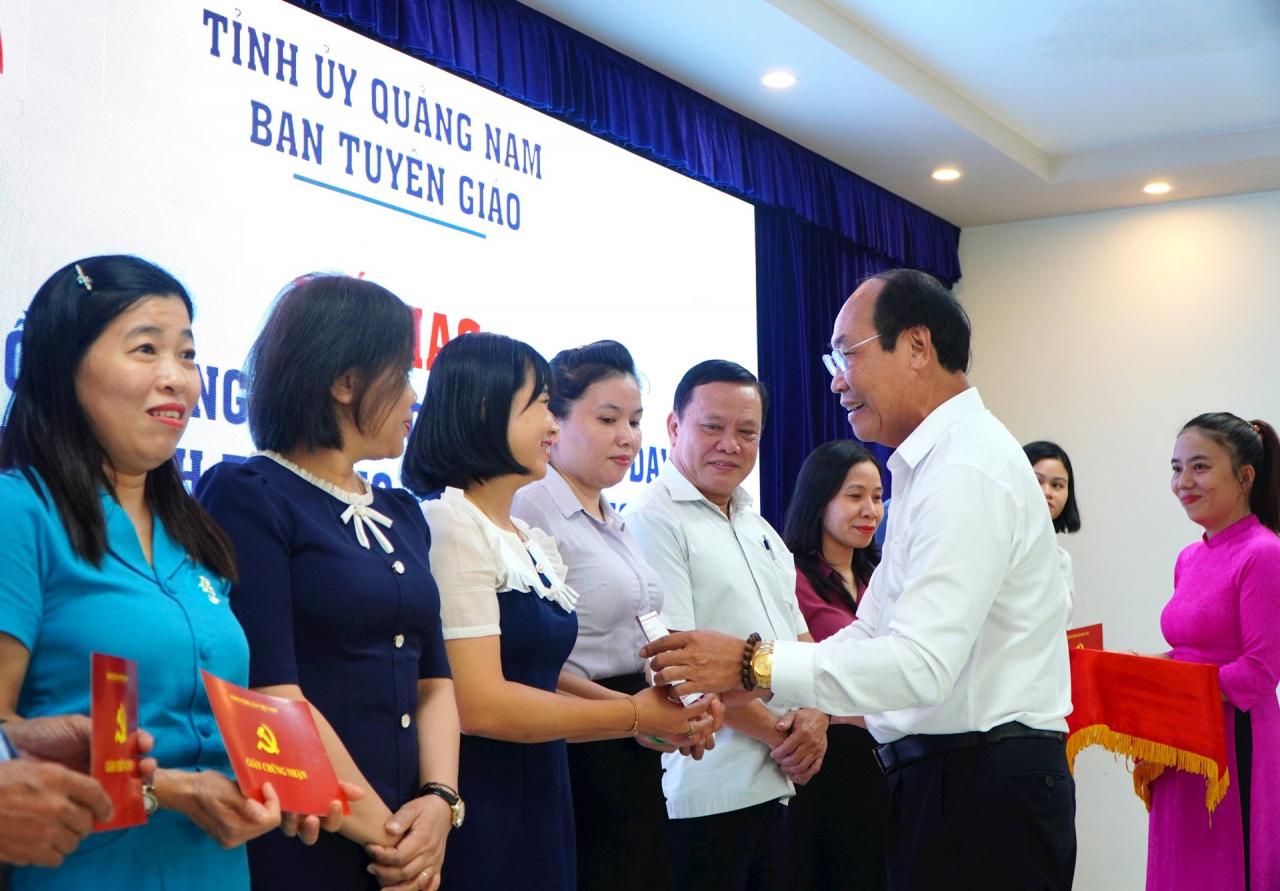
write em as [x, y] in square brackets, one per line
[509, 622]
[335, 592]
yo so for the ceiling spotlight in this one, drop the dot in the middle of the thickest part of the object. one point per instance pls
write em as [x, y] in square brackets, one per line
[1156, 188]
[779, 80]
[946, 174]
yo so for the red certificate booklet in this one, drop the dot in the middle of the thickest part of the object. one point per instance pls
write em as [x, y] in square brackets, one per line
[274, 740]
[1086, 637]
[113, 741]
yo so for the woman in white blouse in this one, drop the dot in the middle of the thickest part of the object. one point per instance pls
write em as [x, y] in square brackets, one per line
[510, 619]
[617, 785]
[1058, 482]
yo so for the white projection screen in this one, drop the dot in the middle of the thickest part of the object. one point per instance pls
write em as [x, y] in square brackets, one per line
[240, 145]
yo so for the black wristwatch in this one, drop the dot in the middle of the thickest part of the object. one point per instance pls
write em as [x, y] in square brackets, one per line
[456, 805]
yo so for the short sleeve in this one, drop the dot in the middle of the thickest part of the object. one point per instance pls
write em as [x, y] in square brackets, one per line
[535, 507]
[433, 661]
[799, 621]
[823, 619]
[462, 562]
[245, 506]
[23, 542]
[663, 546]
[547, 545]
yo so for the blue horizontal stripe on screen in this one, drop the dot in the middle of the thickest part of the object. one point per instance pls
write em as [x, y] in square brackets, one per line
[387, 205]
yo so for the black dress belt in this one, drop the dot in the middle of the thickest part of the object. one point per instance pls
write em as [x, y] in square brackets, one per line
[903, 751]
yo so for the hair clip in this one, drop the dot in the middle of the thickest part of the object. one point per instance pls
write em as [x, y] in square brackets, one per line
[82, 279]
[1257, 428]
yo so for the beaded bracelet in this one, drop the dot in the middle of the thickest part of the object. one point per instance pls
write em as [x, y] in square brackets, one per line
[748, 682]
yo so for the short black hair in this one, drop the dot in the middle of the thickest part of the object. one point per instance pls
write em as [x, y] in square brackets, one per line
[460, 437]
[1069, 519]
[717, 371]
[320, 327]
[47, 433]
[573, 371]
[911, 298]
[821, 477]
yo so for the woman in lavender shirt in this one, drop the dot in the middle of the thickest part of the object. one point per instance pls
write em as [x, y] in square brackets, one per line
[617, 784]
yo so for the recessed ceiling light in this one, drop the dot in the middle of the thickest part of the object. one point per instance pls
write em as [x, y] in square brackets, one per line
[946, 174]
[1156, 188]
[778, 80]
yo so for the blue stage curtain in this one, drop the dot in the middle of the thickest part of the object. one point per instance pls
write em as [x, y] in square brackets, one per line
[803, 275]
[819, 228]
[531, 58]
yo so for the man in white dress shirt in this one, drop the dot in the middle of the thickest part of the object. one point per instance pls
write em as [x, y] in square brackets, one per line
[724, 567]
[958, 657]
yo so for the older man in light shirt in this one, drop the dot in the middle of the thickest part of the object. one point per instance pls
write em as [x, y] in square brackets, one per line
[724, 567]
[958, 659]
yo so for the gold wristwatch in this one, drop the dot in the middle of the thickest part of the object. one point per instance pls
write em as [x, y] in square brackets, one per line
[457, 807]
[762, 665]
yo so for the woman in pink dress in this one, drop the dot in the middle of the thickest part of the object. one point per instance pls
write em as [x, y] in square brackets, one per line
[1225, 611]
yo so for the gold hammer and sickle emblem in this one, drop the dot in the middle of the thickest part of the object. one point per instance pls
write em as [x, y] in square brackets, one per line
[267, 740]
[122, 725]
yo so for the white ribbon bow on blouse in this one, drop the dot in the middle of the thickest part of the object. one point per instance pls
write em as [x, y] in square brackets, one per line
[366, 517]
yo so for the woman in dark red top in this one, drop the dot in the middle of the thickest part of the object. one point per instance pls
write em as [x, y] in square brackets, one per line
[837, 820]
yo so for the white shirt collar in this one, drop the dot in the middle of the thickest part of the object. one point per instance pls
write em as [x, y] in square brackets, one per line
[683, 490]
[930, 431]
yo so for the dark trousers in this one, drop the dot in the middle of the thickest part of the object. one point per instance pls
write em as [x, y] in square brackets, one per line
[837, 821]
[743, 850]
[996, 817]
[618, 810]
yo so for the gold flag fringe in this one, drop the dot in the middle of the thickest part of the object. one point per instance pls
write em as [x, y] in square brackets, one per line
[1149, 760]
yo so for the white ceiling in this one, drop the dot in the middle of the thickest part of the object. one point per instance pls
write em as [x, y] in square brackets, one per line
[1049, 108]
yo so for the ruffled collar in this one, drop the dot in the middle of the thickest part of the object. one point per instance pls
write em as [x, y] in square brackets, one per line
[525, 564]
[359, 511]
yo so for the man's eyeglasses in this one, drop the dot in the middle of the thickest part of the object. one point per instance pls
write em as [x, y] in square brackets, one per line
[837, 361]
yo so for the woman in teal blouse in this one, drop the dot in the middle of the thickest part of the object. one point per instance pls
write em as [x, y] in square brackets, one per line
[102, 550]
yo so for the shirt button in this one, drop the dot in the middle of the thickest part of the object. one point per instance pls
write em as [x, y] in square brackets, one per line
[206, 650]
[398, 640]
[397, 568]
[206, 729]
[404, 720]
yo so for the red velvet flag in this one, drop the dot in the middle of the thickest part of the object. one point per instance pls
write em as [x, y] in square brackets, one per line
[1158, 712]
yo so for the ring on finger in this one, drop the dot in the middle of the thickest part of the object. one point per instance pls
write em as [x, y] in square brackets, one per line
[425, 876]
